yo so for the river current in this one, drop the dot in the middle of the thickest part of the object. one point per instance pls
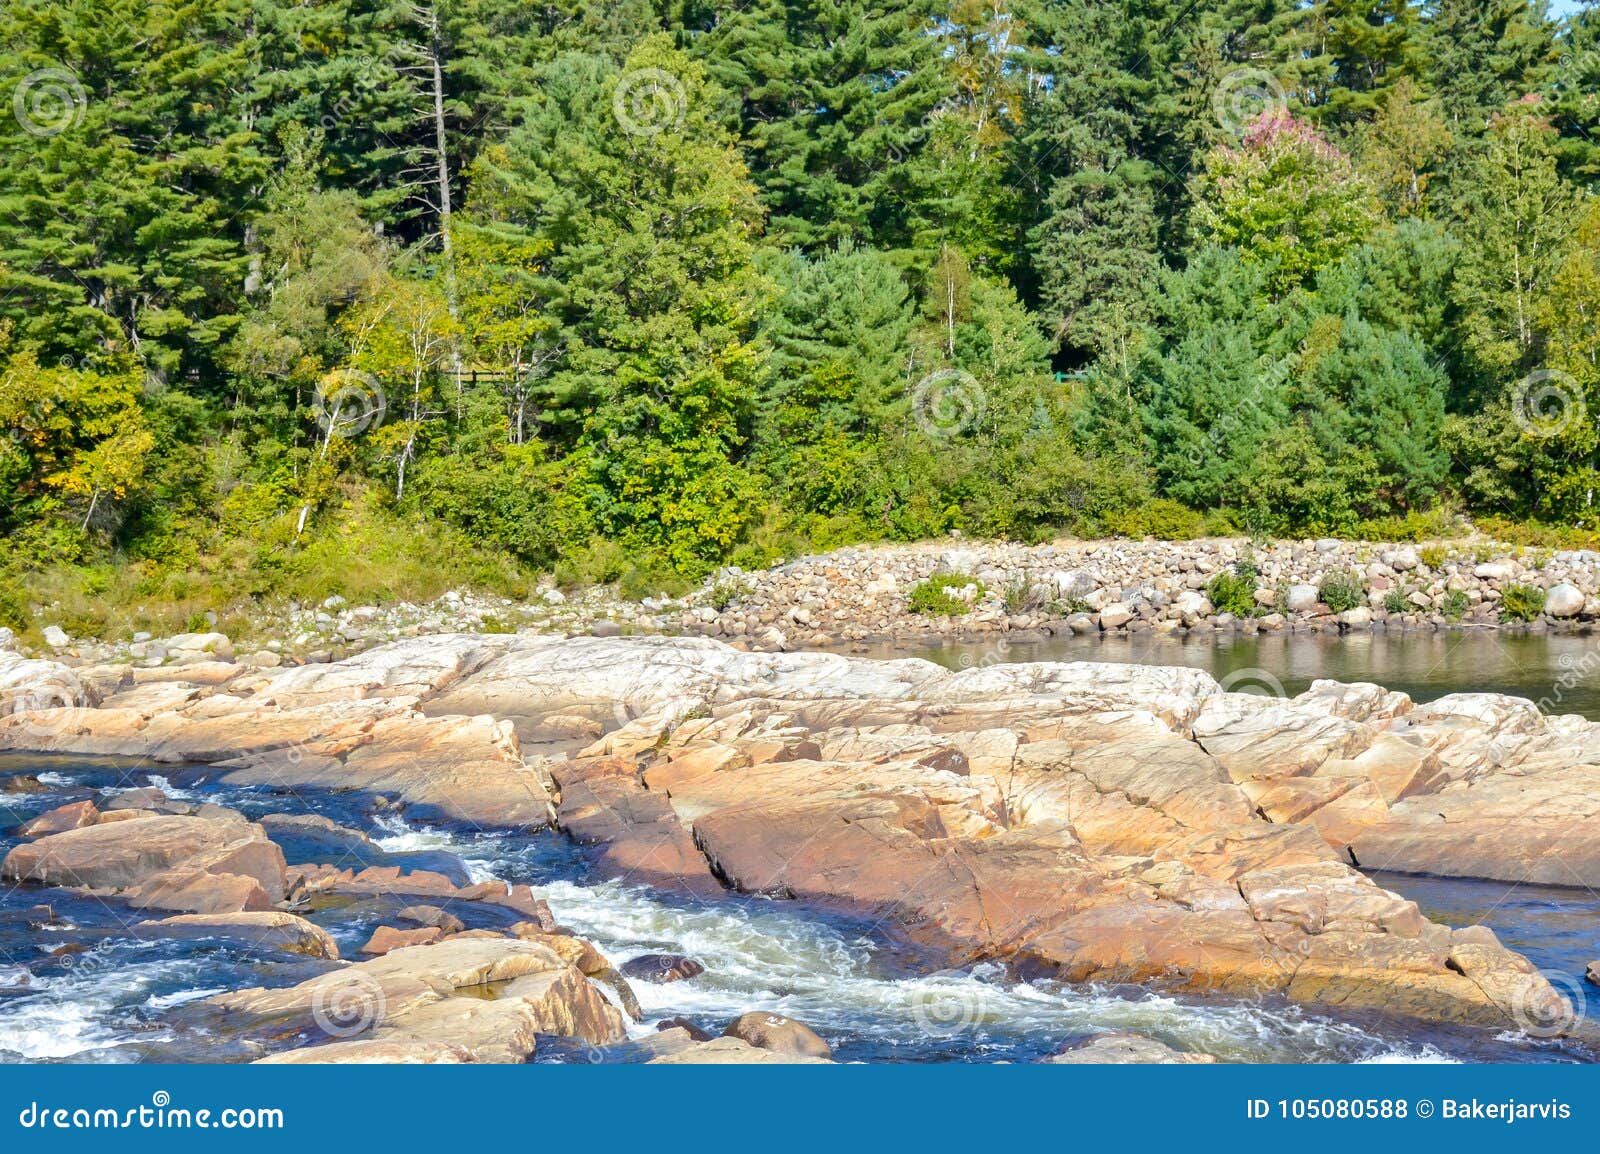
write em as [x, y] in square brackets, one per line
[92, 991]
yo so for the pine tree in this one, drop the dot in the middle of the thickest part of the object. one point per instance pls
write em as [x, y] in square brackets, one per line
[631, 180]
[837, 102]
[123, 185]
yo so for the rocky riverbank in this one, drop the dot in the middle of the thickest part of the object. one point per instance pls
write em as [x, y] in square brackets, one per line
[866, 594]
[1089, 823]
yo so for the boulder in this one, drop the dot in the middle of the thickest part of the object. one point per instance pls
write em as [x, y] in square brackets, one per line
[1301, 598]
[200, 647]
[1564, 600]
[73, 815]
[729, 1051]
[1115, 615]
[387, 938]
[1122, 1049]
[781, 1035]
[435, 996]
[185, 864]
[661, 968]
[431, 916]
[273, 929]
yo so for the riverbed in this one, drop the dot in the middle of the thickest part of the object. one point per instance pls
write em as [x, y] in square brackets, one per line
[101, 994]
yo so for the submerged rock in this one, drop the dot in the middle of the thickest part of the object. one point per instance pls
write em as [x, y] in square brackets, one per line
[272, 929]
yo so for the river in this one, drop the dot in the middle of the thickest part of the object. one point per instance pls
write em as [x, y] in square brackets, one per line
[99, 994]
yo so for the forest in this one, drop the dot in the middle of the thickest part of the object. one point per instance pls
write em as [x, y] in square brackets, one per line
[377, 295]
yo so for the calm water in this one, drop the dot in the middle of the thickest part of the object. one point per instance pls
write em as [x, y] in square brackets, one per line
[101, 995]
[1563, 671]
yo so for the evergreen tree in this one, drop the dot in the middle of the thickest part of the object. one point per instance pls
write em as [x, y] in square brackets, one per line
[650, 219]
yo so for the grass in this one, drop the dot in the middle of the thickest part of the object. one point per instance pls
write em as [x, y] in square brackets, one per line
[360, 552]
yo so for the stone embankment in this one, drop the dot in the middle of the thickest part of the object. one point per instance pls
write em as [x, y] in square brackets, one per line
[865, 594]
[1086, 822]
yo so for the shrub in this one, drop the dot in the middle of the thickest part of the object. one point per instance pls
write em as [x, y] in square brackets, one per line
[1341, 591]
[1413, 527]
[725, 592]
[1433, 556]
[651, 576]
[1455, 604]
[1396, 601]
[1521, 602]
[939, 595]
[1023, 595]
[1161, 518]
[1234, 590]
[13, 609]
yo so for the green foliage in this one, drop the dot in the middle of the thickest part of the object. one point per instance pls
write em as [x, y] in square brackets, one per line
[1521, 602]
[1433, 556]
[1397, 600]
[1159, 518]
[1025, 596]
[1342, 591]
[644, 290]
[725, 592]
[940, 595]
[1455, 605]
[1233, 590]
[1288, 199]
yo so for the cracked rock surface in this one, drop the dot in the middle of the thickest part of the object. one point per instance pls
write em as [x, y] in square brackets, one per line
[1091, 822]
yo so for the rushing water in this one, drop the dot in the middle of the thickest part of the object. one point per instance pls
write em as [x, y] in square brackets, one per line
[100, 994]
[1560, 671]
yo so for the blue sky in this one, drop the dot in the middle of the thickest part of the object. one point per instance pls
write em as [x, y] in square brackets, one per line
[1562, 7]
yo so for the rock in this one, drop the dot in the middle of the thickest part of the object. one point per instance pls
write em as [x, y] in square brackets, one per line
[1123, 1049]
[187, 864]
[781, 1035]
[726, 1051]
[694, 1032]
[273, 929]
[1593, 973]
[433, 996]
[1076, 821]
[315, 830]
[187, 647]
[386, 938]
[661, 968]
[143, 798]
[73, 815]
[1115, 615]
[431, 916]
[1563, 600]
[17, 980]
[1403, 559]
[56, 637]
[372, 1052]
[1301, 598]
[1356, 617]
